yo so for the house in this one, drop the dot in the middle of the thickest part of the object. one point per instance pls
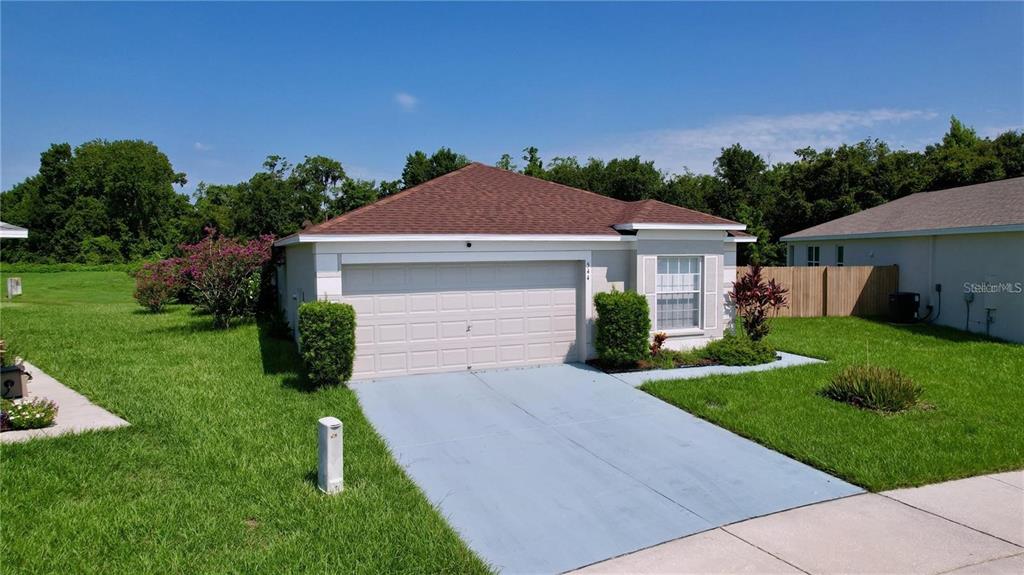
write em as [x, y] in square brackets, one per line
[961, 249]
[484, 267]
[11, 231]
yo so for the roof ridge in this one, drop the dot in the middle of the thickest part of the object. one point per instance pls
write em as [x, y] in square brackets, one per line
[566, 186]
[369, 207]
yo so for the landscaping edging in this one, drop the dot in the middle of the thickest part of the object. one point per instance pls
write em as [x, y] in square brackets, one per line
[638, 378]
[75, 412]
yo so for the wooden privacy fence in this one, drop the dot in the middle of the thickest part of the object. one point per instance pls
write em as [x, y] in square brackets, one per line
[834, 291]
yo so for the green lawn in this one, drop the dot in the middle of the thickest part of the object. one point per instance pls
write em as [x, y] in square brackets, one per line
[973, 422]
[217, 471]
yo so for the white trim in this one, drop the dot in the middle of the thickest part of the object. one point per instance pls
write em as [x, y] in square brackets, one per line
[12, 232]
[701, 292]
[449, 257]
[910, 233]
[642, 226]
[741, 240]
[317, 238]
[584, 314]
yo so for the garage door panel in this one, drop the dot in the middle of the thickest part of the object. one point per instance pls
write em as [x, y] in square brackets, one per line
[423, 331]
[447, 317]
[454, 301]
[483, 328]
[453, 329]
[395, 333]
[422, 303]
[390, 304]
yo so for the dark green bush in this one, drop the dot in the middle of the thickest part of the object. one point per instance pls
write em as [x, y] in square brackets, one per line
[873, 387]
[738, 349]
[623, 327]
[327, 336]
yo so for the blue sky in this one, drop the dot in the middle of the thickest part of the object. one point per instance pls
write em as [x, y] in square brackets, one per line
[219, 86]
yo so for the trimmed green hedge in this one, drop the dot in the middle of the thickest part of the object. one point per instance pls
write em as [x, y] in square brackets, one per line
[623, 327]
[34, 268]
[327, 336]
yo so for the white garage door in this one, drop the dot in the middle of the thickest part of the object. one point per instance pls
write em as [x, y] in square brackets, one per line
[420, 318]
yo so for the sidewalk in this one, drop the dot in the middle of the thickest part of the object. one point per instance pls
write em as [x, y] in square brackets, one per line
[967, 526]
[75, 413]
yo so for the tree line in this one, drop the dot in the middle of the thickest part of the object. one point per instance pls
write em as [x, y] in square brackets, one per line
[115, 201]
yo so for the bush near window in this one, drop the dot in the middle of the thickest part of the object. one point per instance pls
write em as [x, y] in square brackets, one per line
[34, 414]
[622, 328]
[223, 274]
[754, 299]
[327, 336]
[736, 348]
[158, 283]
[873, 387]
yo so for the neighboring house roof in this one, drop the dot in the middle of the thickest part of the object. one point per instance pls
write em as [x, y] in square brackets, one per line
[11, 231]
[990, 207]
[480, 199]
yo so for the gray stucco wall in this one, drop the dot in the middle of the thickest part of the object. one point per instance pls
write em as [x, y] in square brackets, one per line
[950, 260]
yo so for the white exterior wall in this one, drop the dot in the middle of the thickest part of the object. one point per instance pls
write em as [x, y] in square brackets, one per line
[314, 270]
[710, 245]
[299, 281]
[951, 260]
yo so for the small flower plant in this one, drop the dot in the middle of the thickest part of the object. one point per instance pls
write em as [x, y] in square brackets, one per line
[29, 414]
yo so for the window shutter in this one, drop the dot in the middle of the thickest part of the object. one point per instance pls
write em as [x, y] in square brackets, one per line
[648, 287]
[712, 281]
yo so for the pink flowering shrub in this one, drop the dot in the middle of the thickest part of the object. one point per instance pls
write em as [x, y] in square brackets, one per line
[223, 274]
[157, 283]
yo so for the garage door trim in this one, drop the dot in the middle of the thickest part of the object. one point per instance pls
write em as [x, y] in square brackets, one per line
[584, 319]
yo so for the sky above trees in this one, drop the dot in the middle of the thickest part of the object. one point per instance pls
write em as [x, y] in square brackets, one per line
[219, 86]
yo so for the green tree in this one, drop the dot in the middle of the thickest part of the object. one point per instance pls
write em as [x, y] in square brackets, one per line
[420, 168]
[534, 165]
[963, 158]
[506, 163]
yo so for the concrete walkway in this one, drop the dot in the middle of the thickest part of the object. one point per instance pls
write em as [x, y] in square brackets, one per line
[638, 378]
[75, 413]
[547, 469]
[966, 526]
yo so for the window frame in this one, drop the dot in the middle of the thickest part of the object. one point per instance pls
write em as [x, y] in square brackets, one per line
[840, 256]
[816, 260]
[700, 296]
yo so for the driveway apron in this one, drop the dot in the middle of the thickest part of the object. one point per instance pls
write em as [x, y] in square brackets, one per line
[543, 470]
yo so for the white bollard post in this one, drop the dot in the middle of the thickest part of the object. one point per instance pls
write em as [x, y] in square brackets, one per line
[330, 475]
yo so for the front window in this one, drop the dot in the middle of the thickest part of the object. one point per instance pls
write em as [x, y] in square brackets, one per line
[813, 256]
[840, 256]
[678, 293]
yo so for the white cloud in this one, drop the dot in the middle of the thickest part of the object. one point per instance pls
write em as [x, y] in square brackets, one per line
[406, 101]
[774, 137]
[201, 147]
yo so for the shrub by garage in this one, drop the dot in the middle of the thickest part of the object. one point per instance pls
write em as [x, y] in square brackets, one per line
[622, 328]
[327, 336]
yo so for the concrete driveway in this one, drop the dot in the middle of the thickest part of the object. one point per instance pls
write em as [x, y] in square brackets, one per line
[543, 470]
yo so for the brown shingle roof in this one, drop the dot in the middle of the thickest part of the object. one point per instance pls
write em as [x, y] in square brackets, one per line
[992, 204]
[480, 199]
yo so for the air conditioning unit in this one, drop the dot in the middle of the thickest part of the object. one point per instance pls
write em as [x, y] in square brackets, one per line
[904, 306]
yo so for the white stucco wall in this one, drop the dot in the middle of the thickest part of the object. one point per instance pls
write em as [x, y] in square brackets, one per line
[951, 260]
[300, 281]
[314, 270]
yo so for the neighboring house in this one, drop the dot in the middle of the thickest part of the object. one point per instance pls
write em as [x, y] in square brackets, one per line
[967, 242]
[484, 267]
[12, 232]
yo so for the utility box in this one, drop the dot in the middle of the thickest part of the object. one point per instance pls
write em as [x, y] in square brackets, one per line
[14, 381]
[904, 306]
[13, 287]
[330, 472]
